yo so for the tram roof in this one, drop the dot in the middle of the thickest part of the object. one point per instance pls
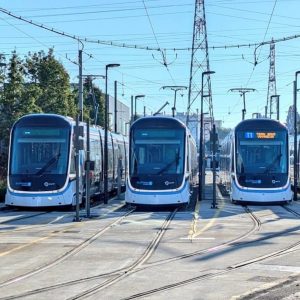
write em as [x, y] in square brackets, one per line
[157, 121]
[31, 118]
[260, 124]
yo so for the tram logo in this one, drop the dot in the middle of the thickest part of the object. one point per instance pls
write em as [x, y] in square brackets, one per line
[46, 184]
[169, 182]
[275, 181]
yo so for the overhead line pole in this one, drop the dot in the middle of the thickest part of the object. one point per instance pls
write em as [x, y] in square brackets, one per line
[174, 88]
[295, 139]
[242, 92]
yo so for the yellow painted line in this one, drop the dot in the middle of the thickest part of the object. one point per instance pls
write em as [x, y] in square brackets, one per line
[49, 236]
[194, 233]
[195, 220]
[37, 240]
[211, 222]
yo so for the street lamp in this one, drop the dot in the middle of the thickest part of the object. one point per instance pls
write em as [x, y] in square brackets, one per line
[201, 138]
[106, 134]
[136, 97]
[295, 138]
[116, 108]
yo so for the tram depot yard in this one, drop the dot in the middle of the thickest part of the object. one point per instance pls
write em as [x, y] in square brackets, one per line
[232, 252]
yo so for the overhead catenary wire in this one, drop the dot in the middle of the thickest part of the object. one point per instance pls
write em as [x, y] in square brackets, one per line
[261, 44]
[144, 47]
[161, 51]
[33, 38]
[150, 42]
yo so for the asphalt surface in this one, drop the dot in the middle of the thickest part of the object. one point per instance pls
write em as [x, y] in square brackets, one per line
[123, 252]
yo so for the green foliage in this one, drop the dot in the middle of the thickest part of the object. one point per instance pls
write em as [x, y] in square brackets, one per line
[36, 84]
[40, 84]
[93, 105]
[12, 96]
[54, 81]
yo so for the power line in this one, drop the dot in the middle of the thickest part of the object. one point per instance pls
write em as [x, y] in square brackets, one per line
[142, 47]
[106, 11]
[256, 59]
[161, 51]
[259, 46]
[35, 39]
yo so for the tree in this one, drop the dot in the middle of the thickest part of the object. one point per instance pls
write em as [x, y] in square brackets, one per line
[11, 100]
[93, 103]
[290, 121]
[54, 81]
[37, 84]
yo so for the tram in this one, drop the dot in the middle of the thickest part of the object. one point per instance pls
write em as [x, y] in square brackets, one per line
[254, 162]
[41, 164]
[162, 162]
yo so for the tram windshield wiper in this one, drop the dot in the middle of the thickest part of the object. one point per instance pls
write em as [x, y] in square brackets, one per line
[271, 166]
[168, 166]
[49, 163]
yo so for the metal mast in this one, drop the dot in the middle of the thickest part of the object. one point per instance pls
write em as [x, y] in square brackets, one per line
[271, 101]
[199, 61]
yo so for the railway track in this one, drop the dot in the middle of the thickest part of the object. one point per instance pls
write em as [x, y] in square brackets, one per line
[68, 254]
[228, 269]
[20, 218]
[113, 276]
[138, 263]
[141, 264]
[256, 227]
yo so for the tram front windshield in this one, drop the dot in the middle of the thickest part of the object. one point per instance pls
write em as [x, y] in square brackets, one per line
[157, 152]
[39, 158]
[261, 153]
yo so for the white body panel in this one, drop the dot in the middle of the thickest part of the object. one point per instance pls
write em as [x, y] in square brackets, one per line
[166, 197]
[260, 195]
[66, 197]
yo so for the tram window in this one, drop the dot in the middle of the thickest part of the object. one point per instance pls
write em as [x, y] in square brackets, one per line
[142, 155]
[35, 153]
[156, 154]
[261, 157]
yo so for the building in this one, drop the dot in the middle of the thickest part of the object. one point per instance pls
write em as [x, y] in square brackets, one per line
[194, 125]
[123, 116]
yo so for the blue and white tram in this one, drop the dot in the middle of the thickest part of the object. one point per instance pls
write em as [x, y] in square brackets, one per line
[162, 162]
[254, 162]
[41, 166]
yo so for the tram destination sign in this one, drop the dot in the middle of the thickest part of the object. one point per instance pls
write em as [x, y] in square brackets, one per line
[260, 135]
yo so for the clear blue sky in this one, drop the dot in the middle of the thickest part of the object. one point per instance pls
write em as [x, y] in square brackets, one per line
[229, 22]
